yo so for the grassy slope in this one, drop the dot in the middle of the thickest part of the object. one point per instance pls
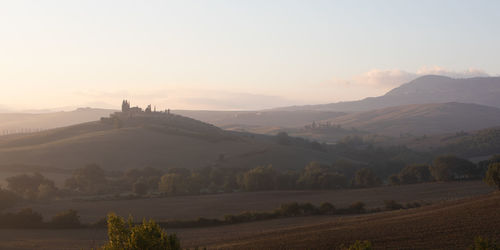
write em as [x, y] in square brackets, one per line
[450, 225]
[158, 141]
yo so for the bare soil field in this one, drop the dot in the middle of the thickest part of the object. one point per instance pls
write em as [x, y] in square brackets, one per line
[216, 206]
[450, 225]
[383, 229]
[446, 225]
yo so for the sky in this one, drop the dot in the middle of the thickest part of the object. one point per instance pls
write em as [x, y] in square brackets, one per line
[234, 55]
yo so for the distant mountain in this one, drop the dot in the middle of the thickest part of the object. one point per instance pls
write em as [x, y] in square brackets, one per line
[158, 140]
[422, 119]
[27, 122]
[426, 89]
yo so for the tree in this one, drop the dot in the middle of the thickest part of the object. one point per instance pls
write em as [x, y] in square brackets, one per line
[493, 175]
[7, 199]
[90, 179]
[148, 235]
[260, 178]
[320, 176]
[366, 178]
[415, 174]
[173, 184]
[31, 186]
[449, 167]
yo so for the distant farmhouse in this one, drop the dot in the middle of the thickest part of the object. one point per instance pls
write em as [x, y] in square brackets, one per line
[135, 110]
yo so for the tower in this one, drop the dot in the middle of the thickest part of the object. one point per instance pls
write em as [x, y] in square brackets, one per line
[125, 106]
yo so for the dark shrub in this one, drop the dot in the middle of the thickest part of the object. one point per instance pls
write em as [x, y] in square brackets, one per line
[8, 199]
[290, 209]
[66, 219]
[357, 207]
[326, 208]
[26, 218]
[392, 205]
[412, 205]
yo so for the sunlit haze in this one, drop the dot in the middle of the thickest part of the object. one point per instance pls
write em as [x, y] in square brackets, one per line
[234, 55]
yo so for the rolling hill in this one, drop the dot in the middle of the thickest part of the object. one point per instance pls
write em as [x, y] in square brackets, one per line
[422, 119]
[157, 139]
[426, 89]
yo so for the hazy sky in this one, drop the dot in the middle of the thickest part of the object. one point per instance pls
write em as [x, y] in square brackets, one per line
[235, 54]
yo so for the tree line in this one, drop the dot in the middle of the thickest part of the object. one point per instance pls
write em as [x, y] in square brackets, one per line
[94, 180]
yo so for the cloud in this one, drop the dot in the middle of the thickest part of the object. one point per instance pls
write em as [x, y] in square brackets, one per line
[436, 70]
[377, 77]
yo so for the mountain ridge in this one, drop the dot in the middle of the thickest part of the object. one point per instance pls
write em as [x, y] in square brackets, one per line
[425, 89]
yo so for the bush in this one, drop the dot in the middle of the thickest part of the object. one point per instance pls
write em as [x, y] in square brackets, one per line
[326, 208]
[289, 209]
[26, 218]
[481, 243]
[66, 219]
[412, 205]
[493, 175]
[357, 207]
[392, 205]
[148, 235]
[359, 245]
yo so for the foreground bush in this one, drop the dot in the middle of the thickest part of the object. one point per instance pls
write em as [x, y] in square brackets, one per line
[481, 243]
[493, 175]
[148, 235]
[359, 245]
